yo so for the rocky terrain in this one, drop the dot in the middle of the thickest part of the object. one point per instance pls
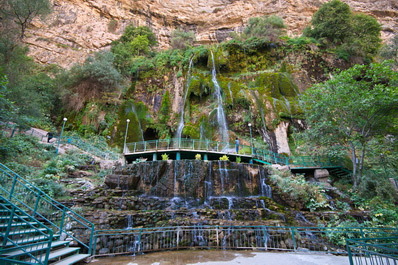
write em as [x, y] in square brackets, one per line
[77, 28]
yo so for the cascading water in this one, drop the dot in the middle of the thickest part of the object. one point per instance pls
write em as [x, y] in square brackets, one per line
[230, 91]
[222, 121]
[222, 167]
[181, 124]
[138, 120]
[129, 221]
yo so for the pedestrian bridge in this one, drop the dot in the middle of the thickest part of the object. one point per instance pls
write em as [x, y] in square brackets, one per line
[183, 148]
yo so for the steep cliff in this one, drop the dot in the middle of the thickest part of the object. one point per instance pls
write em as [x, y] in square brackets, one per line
[77, 28]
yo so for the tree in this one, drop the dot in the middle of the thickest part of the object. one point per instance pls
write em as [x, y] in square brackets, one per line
[181, 39]
[135, 42]
[337, 25]
[22, 12]
[332, 22]
[267, 27]
[351, 109]
[365, 36]
[390, 51]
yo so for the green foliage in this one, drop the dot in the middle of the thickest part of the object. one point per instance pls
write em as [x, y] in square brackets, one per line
[332, 22]
[165, 157]
[98, 69]
[198, 157]
[22, 12]
[335, 23]
[269, 28]
[224, 158]
[390, 50]
[135, 42]
[238, 159]
[181, 39]
[348, 111]
[296, 187]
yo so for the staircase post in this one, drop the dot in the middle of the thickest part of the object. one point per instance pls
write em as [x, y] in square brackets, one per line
[9, 225]
[61, 226]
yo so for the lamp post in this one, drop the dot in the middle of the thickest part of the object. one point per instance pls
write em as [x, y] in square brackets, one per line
[251, 137]
[60, 136]
[125, 135]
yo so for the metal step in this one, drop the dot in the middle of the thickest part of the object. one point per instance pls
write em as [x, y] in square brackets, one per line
[26, 231]
[60, 252]
[35, 248]
[72, 259]
[27, 240]
[14, 217]
[17, 224]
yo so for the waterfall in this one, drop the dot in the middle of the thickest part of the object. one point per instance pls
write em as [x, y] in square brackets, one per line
[222, 122]
[230, 91]
[181, 124]
[222, 167]
[265, 189]
[138, 120]
[129, 221]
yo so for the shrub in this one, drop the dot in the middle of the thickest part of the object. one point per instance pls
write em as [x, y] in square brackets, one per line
[165, 157]
[224, 158]
[198, 157]
[269, 28]
[181, 39]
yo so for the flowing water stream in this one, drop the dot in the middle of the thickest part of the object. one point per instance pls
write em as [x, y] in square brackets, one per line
[189, 78]
[222, 121]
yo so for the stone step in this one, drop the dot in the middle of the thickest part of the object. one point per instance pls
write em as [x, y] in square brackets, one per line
[72, 259]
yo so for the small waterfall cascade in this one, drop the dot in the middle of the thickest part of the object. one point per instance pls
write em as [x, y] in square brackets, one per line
[221, 119]
[223, 174]
[230, 91]
[182, 113]
[130, 221]
[265, 189]
[138, 120]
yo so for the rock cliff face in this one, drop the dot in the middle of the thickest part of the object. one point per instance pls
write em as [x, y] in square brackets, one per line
[77, 28]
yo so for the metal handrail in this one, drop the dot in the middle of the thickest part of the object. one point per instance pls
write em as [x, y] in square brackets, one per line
[180, 144]
[368, 250]
[230, 237]
[58, 217]
[45, 241]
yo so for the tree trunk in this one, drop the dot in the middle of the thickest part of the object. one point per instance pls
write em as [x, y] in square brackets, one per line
[354, 166]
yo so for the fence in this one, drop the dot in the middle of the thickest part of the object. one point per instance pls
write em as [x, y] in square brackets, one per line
[212, 146]
[134, 241]
[373, 251]
[57, 217]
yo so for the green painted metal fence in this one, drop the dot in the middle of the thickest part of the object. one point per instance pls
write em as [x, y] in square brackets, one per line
[57, 217]
[17, 239]
[373, 251]
[319, 239]
[213, 146]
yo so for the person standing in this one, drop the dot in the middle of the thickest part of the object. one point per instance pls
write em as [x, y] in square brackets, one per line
[237, 145]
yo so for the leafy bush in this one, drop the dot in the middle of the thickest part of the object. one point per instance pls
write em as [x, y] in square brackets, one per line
[165, 157]
[224, 158]
[198, 157]
[269, 28]
[296, 187]
[181, 39]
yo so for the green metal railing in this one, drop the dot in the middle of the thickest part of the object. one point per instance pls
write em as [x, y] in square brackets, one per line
[263, 155]
[319, 239]
[88, 147]
[380, 251]
[16, 230]
[62, 220]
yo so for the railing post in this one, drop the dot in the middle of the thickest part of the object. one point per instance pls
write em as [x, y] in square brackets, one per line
[135, 146]
[157, 141]
[12, 187]
[218, 241]
[36, 204]
[10, 221]
[61, 226]
[293, 238]
[92, 238]
[349, 252]
[265, 238]
[144, 146]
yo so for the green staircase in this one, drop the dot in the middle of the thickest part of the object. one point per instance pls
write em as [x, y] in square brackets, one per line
[35, 229]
